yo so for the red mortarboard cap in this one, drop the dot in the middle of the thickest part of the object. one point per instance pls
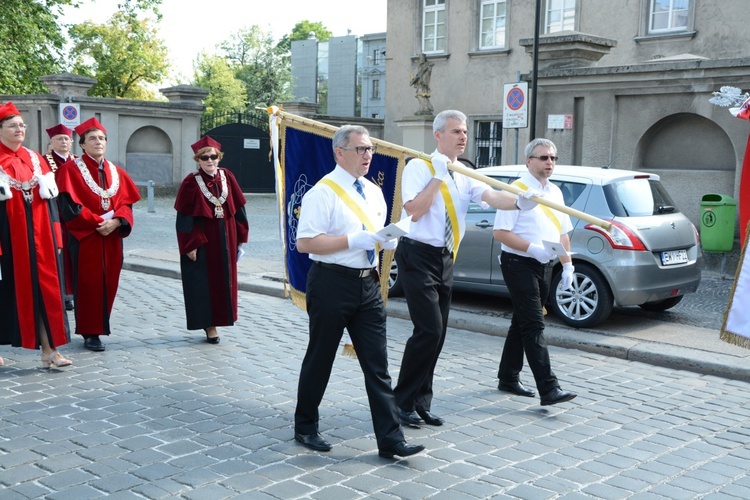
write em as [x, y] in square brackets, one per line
[206, 142]
[58, 130]
[88, 125]
[8, 109]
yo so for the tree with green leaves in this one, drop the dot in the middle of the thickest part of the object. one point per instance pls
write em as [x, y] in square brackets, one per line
[226, 92]
[301, 31]
[32, 44]
[124, 55]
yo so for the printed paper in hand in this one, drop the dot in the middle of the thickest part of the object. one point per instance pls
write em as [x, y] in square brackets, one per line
[108, 215]
[395, 230]
[554, 247]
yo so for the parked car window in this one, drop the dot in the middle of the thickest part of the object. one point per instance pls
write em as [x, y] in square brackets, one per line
[570, 190]
[638, 198]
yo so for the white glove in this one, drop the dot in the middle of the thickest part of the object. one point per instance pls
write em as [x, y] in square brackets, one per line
[524, 201]
[5, 191]
[440, 164]
[47, 186]
[567, 276]
[539, 253]
[364, 240]
[389, 244]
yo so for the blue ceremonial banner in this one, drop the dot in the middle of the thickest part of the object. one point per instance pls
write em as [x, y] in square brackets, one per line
[305, 155]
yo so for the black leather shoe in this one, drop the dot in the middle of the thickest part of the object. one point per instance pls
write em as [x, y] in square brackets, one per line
[313, 441]
[402, 449]
[68, 305]
[409, 418]
[93, 343]
[212, 340]
[429, 418]
[516, 388]
[557, 395]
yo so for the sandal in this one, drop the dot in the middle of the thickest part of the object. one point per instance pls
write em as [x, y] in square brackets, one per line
[54, 358]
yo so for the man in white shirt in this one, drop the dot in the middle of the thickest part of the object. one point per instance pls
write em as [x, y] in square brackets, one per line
[338, 220]
[527, 271]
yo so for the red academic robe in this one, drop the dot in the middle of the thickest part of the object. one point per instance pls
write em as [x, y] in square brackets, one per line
[55, 161]
[209, 283]
[97, 260]
[30, 281]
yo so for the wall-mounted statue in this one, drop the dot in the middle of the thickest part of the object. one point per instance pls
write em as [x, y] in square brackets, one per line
[421, 83]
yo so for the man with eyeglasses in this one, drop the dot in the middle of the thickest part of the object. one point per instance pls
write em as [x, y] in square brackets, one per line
[338, 217]
[527, 271]
[96, 204]
[437, 201]
[60, 142]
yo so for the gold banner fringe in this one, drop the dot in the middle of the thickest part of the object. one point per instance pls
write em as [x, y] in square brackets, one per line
[726, 335]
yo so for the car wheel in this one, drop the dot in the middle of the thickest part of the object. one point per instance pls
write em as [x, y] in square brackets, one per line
[661, 305]
[586, 303]
[394, 285]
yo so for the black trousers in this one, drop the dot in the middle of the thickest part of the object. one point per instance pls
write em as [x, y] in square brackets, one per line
[336, 301]
[426, 274]
[528, 282]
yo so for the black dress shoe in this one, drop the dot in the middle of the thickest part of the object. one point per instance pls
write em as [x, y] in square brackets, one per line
[516, 388]
[212, 340]
[429, 418]
[68, 305]
[557, 395]
[313, 441]
[409, 418]
[402, 449]
[93, 343]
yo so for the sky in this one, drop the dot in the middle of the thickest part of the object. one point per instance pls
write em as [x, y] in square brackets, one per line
[189, 27]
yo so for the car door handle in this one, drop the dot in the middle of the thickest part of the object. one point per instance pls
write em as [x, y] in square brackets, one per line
[484, 224]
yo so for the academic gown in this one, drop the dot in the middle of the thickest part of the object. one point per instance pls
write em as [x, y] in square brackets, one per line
[30, 272]
[55, 161]
[97, 260]
[209, 283]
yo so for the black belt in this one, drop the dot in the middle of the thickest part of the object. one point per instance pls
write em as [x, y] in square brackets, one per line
[530, 260]
[349, 271]
[425, 246]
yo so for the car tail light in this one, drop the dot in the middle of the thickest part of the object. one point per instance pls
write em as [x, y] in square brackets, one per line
[619, 236]
[697, 235]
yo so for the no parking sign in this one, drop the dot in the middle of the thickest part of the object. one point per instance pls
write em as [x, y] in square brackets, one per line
[515, 105]
[70, 114]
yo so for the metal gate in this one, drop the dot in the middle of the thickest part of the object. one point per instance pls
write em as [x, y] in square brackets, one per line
[245, 143]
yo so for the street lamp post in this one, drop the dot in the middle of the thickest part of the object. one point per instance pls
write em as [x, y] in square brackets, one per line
[535, 68]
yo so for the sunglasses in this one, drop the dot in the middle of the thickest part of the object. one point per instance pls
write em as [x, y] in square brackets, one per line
[209, 157]
[545, 157]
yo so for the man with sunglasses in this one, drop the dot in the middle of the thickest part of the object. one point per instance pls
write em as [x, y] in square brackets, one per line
[527, 271]
[96, 204]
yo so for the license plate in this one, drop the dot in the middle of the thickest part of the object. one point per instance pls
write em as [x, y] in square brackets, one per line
[674, 257]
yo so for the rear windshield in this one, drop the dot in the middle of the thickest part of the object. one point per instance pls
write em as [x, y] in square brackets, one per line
[638, 198]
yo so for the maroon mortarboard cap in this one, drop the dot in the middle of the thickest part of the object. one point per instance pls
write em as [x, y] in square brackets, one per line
[206, 142]
[88, 125]
[8, 109]
[59, 129]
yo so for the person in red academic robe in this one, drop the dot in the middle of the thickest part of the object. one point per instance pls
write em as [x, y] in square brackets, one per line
[211, 228]
[60, 142]
[31, 296]
[96, 204]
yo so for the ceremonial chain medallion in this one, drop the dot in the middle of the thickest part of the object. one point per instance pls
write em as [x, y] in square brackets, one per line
[218, 210]
[26, 187]
[52, 163]
[104, 194]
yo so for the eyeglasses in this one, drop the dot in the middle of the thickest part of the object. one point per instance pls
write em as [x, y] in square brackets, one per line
[16, 126]
[209, 157]
[546, 157]
[361, 149]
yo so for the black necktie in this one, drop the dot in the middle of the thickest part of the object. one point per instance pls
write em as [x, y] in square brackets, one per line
[360, 189]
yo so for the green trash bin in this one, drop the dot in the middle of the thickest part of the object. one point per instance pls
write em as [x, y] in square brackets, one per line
[718, 212]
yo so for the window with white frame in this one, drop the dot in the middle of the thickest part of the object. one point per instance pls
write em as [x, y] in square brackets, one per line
[492, 24]
[488, 142]
[559, 15]
[668, 15]
[433, 26]
[375, 89]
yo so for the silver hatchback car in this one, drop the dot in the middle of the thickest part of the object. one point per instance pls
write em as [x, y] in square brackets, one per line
[651, 256]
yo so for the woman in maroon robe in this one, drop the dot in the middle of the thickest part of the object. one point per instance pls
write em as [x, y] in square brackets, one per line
[211, 227]
[31, 297]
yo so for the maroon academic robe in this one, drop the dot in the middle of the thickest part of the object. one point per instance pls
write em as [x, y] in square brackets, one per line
[209, 283]
[55, 161]
[97, 260]
[30, 280]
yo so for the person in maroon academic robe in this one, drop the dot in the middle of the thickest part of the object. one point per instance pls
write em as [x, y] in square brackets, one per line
[31, 300]
[96, 204]
[60, 142]
[211, 227]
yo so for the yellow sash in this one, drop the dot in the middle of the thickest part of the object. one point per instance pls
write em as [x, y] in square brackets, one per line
[547, 211]
[451, 209]
[353, 205]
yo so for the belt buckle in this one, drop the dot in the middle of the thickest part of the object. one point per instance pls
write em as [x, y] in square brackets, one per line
[363, 273]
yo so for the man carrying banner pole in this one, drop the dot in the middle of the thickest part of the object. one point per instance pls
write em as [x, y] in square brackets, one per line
[337, 227]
